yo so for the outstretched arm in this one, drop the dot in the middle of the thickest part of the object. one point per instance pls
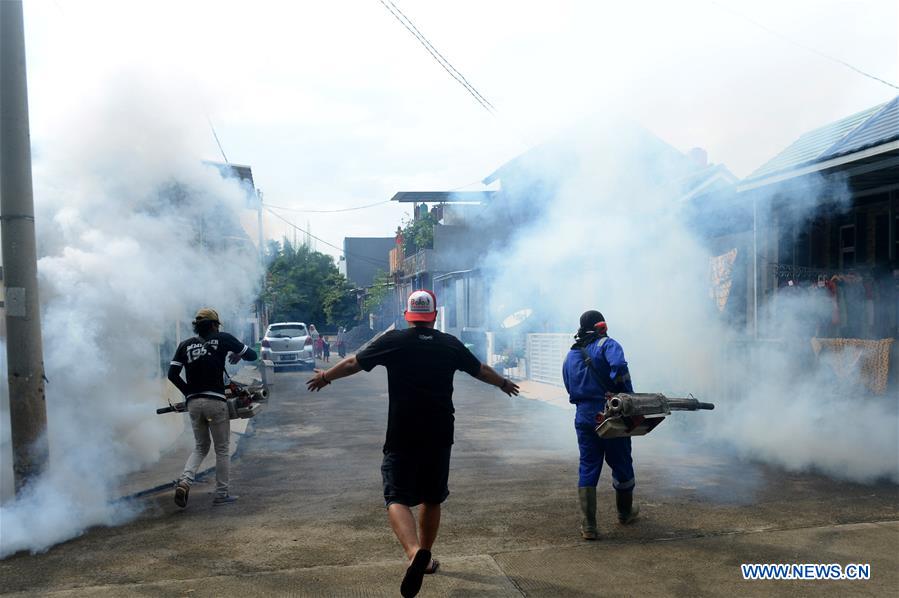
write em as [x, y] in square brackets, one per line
[342, 369]
[490, 376]
[176, 379]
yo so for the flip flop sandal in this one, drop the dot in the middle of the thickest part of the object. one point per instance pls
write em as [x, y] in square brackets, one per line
[415, 574]
[432, 567]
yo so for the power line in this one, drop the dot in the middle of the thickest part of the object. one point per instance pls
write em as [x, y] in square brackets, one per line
[371, 205]
[421, 36]
[475, 182]
[217, 142]
[443, 62]
[801, 45]
[340, 249]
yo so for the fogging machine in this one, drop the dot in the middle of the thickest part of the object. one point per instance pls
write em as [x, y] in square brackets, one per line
[637, 414]
[243, 401]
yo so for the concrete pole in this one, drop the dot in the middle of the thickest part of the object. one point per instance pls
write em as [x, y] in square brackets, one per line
[24, 353]
[263, 317]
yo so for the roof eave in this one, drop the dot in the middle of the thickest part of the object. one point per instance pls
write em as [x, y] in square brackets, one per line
[750, 184]
[450, 197]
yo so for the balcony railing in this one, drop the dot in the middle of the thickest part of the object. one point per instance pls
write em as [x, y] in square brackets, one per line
[422, 261]
[417, 263]
[396, 259]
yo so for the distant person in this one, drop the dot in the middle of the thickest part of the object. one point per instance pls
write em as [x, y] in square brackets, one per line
[341, 342]
[587, 383]
[316, 337]
[421, 363]
[203, 357]
[326, 349]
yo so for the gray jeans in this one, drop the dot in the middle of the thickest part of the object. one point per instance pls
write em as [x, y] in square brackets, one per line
[210, 416]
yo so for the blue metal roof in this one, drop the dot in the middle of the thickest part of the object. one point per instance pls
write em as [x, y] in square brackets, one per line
[874, 126]
[880, 128]
[443, 196]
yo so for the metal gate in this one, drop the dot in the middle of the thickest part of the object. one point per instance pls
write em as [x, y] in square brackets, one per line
[545, 356]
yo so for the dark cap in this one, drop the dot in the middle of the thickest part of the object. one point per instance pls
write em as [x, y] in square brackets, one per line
[589, 319]
[207, 313]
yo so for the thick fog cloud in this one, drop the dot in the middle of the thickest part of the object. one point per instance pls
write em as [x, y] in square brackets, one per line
[135, 234]
[611, 234]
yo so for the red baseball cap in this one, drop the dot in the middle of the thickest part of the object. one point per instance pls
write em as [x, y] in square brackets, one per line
[421, 306]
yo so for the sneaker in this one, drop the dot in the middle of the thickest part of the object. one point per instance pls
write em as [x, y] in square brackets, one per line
[182, 491]
[224, 500]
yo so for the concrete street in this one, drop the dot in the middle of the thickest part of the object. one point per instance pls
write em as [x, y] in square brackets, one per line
[310, 520]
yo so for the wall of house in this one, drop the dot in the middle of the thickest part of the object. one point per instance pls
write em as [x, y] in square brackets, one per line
[365, 256]
[462, 302]
[860, 240]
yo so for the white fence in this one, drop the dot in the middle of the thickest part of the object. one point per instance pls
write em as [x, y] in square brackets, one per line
[545, 356]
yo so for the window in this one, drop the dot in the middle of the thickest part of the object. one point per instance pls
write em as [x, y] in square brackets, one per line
[803, 249]
[882, 239]
[847, 246]
[286, 331]
[786, 246]
[449, 305]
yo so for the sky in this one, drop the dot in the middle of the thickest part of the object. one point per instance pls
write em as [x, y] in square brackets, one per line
[335, 105]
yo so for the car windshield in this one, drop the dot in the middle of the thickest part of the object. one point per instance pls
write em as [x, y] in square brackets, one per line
[286, 331]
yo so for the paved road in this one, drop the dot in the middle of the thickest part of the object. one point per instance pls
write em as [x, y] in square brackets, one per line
[310, 519]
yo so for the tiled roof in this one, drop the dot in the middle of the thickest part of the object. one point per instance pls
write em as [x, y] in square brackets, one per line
[880, 128]
[868, 128]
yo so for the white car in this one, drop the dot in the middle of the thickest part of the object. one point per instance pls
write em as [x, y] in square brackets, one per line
[288, 344]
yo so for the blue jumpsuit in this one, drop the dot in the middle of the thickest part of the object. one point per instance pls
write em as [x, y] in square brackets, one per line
[588, 396]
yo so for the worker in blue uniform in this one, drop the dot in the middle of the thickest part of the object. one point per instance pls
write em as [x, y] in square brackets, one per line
[595, 366]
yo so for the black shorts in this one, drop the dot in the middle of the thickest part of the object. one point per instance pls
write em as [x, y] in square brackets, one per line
[413, 477]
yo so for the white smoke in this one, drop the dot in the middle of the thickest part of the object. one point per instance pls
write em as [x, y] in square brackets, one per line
[610, 238]
[611, 234]
[134, 235]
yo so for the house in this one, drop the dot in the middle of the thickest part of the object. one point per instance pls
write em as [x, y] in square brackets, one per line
[827, 209]
[364, 257]
[449, 266]
[251, 323]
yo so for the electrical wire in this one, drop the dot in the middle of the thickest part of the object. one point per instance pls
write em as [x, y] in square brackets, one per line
[301, 210]
[217, 142]
[438, 57]
[422, 37]
[767, 29]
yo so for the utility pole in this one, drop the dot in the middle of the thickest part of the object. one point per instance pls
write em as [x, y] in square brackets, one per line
[263, 317]
[24, 353]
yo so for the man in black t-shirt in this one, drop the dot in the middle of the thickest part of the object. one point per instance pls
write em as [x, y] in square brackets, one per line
[421, 363]
[203, 358]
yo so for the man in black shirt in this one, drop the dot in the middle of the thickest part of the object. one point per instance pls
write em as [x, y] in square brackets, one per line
[203, 356]
[421, 363]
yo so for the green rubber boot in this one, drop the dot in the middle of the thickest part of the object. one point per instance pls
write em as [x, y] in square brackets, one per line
[587, 498]
[627, 510]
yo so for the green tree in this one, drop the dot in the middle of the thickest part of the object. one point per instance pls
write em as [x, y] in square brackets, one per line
[304, 285]
[418, 234]
[339, 302]
[377, 293]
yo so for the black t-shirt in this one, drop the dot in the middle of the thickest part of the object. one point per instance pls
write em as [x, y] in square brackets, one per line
[421, 363]
[204, 360]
